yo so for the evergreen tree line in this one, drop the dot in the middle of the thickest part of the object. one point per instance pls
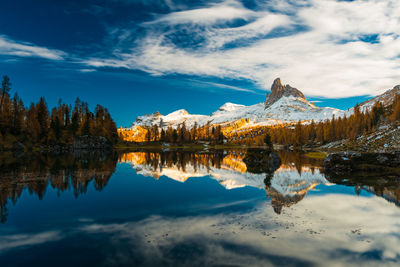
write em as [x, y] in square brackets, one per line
[36, 125]
[183, 134]
[335, 129]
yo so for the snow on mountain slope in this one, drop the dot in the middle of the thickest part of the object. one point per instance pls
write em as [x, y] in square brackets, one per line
[386, 99]
[284, 104]
[171, 120]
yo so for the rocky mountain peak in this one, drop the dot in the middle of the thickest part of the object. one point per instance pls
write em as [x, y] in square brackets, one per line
[278, 90]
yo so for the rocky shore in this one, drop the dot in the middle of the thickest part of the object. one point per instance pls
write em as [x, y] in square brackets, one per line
[342, 163]
[81, 144]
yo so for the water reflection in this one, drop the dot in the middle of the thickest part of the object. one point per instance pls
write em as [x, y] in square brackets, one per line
[236, 209]
[285, 185]
[62, 172]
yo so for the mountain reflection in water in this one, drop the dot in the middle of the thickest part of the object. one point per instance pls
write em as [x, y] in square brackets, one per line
[204, 208]
[285, 186]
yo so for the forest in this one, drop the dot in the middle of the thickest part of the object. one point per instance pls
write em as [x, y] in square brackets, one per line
[297, 135]
[36, 125]
[360, 123]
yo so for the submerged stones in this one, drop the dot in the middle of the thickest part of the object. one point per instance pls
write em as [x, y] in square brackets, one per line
[353, 162]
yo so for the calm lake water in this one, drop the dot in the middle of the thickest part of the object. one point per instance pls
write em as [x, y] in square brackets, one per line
[193, 209]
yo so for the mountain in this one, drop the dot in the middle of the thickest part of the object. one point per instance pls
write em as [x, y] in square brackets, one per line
[284, 104]
[278, 91]
[386, 99]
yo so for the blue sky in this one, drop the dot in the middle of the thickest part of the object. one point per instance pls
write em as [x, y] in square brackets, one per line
[141, 56]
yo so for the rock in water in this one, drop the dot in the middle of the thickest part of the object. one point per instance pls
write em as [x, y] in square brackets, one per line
[261, 161]
[274, 161]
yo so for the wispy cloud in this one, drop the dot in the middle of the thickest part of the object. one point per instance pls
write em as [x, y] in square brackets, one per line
[87, 70]
[23, 49]
[225, 11]
[224, 86]
[22, 240]
[323, 47]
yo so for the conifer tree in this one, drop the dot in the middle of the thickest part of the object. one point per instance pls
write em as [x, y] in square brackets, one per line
[43, 119]
[5, 89]
[175, 136]
[268, 141]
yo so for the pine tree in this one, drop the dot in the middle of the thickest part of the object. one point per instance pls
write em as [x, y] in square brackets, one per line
[162, 137]
[175, 136]
[298, 135]
[18, 115]
[268, 141]
[43, 119]
[395, 116]
[5, 89]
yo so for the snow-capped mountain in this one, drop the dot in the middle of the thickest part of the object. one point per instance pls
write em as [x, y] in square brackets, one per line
[283, 105]
[386, 99]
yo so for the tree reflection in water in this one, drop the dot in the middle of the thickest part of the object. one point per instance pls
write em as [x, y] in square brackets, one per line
[285, 185]
[62, 172]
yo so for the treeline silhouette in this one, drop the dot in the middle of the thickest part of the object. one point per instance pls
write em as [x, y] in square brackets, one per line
[62, 173]
[36, 125]
[182, 134]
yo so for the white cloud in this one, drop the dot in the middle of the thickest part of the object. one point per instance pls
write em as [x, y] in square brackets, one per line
[260, 233]
[227, 10]
[87, 70]
[22, 240]
[224, 86]
[327, 57]
[23, 49]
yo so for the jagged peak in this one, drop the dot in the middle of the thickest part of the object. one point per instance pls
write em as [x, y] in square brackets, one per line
[278, 91]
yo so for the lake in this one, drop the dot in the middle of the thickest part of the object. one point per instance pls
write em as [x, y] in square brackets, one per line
[185, 208]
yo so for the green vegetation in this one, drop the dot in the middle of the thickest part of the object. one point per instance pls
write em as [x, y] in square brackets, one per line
[316, 155]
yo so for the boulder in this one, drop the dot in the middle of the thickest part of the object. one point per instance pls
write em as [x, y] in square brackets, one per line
[261, 161]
